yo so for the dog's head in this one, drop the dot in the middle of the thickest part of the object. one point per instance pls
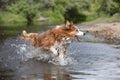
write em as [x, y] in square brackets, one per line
[70, 31]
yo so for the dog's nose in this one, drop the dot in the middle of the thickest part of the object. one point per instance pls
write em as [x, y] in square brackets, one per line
[84, 33]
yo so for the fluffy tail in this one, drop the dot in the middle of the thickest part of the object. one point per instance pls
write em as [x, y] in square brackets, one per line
[29, 37]
[24, 33]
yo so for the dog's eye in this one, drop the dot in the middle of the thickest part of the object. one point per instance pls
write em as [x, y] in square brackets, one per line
[77, 30]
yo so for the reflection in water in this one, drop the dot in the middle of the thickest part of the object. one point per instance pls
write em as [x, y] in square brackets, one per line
[56, 73]
[44, 71]
[6, 74]
[35, 70]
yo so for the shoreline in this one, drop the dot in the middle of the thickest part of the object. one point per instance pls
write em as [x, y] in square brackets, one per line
[108, 31]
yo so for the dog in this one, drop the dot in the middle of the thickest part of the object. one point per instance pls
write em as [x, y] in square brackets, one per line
[55, 40]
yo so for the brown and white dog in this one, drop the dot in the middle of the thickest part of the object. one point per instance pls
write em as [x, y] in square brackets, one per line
[56, 39]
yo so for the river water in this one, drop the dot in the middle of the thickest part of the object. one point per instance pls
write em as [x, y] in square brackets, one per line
[90, 59]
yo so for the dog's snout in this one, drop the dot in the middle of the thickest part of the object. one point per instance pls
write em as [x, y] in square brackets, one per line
[84, 34]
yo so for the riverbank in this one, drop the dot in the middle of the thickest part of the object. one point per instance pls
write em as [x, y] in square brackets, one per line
[105, 27]
[103, 19]
[106, 30]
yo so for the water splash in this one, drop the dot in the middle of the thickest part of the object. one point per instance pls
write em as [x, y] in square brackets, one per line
[27, 52]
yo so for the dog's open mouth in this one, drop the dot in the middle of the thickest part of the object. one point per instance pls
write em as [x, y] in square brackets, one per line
[77, 38]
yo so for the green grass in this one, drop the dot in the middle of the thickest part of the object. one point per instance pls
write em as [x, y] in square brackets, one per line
[10, 18]
[54, 18]
[115, 18]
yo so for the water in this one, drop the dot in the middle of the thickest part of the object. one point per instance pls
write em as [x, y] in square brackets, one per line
[90, 59]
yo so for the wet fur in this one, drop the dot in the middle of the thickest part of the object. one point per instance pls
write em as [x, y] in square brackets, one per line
[55, 39]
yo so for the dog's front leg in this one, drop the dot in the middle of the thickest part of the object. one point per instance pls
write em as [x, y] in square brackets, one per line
[62, 56]
[62, 59]
[53, 50]
[62, 53]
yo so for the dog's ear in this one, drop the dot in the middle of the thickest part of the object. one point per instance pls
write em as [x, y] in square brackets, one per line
[68, 24]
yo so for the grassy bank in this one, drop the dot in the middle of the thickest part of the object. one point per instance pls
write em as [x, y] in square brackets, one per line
[103, 19]
[9, 18]
[57, 11]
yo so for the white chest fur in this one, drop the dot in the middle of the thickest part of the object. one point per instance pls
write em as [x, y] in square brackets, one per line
[59, 48]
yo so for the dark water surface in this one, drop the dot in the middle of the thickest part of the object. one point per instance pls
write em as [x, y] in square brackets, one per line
[91, 59]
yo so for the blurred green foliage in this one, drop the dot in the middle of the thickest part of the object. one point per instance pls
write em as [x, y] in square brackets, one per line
[57, 11]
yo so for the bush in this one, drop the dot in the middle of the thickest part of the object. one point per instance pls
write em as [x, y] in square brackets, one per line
[74, 15]
[58, 10]
[54, 17]
[57, 18]
[26, 8]
[6, 17]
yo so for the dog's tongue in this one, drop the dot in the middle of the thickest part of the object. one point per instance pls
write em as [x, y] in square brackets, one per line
[77, 38]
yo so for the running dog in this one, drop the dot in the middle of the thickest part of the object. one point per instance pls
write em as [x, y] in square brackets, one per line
[55, 39]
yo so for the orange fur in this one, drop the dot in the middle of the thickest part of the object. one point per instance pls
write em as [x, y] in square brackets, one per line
[55, 39]
[48, 38]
